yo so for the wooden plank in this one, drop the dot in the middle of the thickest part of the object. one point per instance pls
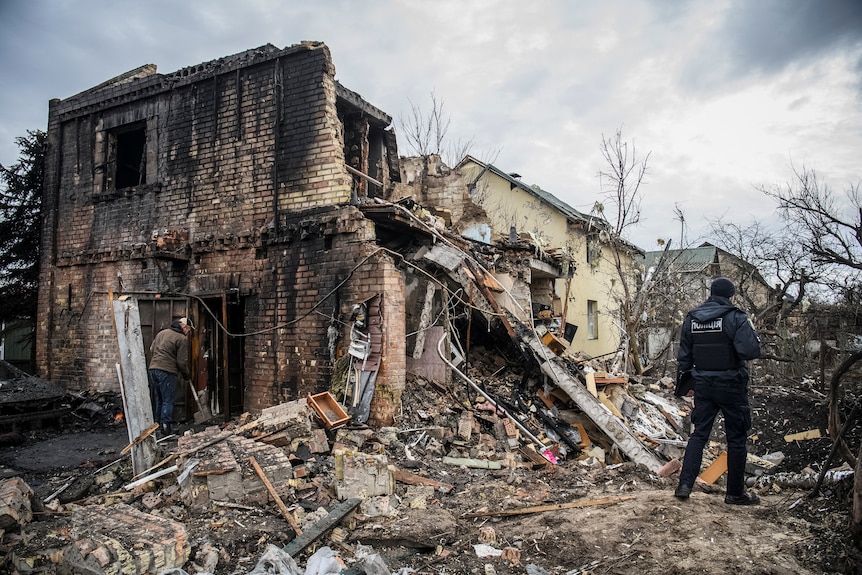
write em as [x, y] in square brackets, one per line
[285, 512]
[582, 431]
[414, 479]
[715, 470]
[208, 472]
[591, 383]
[134, 384]
[810, 434]
[670, 419]
[548, 400]
[609, 380]
[555, 507]
[296, 546]
[606, 401]
[145, 434]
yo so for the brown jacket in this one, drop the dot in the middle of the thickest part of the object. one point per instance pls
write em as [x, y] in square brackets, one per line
[170, 352]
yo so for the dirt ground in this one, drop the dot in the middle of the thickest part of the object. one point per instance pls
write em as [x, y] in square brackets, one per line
[630, 524]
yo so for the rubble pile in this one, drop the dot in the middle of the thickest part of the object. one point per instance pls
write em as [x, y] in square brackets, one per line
[456, 486]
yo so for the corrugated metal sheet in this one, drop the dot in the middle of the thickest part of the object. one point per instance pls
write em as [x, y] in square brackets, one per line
[685, 261]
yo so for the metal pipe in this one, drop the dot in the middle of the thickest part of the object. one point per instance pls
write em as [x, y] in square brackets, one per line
[356, 172]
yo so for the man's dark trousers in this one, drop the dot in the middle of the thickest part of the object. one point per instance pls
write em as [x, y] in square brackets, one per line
[163, 385]
[731, 399]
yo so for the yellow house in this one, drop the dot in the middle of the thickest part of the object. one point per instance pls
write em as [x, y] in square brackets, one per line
[588, 298]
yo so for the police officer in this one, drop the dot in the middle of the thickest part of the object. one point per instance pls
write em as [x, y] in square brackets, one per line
[717, 339]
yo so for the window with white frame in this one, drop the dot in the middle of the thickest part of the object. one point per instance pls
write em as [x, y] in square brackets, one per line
[592, 319]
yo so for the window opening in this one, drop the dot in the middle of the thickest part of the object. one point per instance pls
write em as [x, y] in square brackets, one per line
[592, 319]
[127, 156]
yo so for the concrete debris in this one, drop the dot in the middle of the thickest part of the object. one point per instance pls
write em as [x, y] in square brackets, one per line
[801, 480]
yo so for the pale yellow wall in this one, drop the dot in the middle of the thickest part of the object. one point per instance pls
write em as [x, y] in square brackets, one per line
[507, 207]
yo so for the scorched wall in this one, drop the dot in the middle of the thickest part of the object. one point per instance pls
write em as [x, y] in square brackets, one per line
[222, 182]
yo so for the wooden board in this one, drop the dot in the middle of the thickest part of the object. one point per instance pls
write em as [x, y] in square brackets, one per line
[715, 470]
[134, 385]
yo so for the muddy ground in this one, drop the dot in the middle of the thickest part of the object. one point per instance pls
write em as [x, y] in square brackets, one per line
[640, 528]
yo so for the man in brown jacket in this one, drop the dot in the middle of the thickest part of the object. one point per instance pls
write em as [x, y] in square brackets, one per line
[169, 358]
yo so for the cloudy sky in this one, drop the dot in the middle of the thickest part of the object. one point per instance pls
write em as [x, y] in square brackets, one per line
[724, 95]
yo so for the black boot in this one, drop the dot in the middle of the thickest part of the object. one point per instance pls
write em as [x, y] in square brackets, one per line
[165, 428]
[744, 499]
[682, 491]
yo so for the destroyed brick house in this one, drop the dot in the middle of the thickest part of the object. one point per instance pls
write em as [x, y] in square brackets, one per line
[267, 202]
[227, 192]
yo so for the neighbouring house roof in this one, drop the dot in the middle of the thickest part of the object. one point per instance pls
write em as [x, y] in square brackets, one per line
[534, 190]
[690, 260]
[697, 260]
[548, 198]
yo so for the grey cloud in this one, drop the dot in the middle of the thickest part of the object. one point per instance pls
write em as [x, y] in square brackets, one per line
[768, 35]
[763, 38]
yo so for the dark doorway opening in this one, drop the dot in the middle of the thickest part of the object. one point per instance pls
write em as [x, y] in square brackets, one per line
[220, 360]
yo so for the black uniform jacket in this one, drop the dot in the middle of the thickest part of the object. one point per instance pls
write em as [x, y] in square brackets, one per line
[730, 328]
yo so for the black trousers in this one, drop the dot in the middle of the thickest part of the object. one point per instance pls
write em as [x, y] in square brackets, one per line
[732, 401]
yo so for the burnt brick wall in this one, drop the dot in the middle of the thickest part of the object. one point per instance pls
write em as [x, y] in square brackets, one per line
[308, 276]
[249, 158]
[391, 378]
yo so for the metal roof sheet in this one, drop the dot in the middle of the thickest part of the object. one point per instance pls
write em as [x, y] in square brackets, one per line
[684, 260]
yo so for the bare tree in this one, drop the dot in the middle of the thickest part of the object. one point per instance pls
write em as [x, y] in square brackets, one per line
[621, 182]
[621, 189]
[427, 132]
[766, 255]
[829, 227]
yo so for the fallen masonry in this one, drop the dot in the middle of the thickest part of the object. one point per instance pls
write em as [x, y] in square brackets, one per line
[360, 491]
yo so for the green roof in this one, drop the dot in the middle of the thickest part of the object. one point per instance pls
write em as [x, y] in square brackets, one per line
[686, 260]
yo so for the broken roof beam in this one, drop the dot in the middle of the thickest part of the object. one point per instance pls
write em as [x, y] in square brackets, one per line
[317, 530]
[612, 426]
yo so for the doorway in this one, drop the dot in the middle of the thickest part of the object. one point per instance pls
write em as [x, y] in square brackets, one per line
[156, 315]
[218, 356]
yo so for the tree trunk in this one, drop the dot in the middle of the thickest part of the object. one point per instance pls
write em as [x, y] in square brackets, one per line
[856, 520]
[835, 423]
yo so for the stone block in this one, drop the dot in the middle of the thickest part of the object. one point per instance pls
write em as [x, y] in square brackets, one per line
[362, 475]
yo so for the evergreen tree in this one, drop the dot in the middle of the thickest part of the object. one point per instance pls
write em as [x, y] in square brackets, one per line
[20, 228]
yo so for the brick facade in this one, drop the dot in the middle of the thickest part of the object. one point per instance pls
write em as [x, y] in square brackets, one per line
[239, 193]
